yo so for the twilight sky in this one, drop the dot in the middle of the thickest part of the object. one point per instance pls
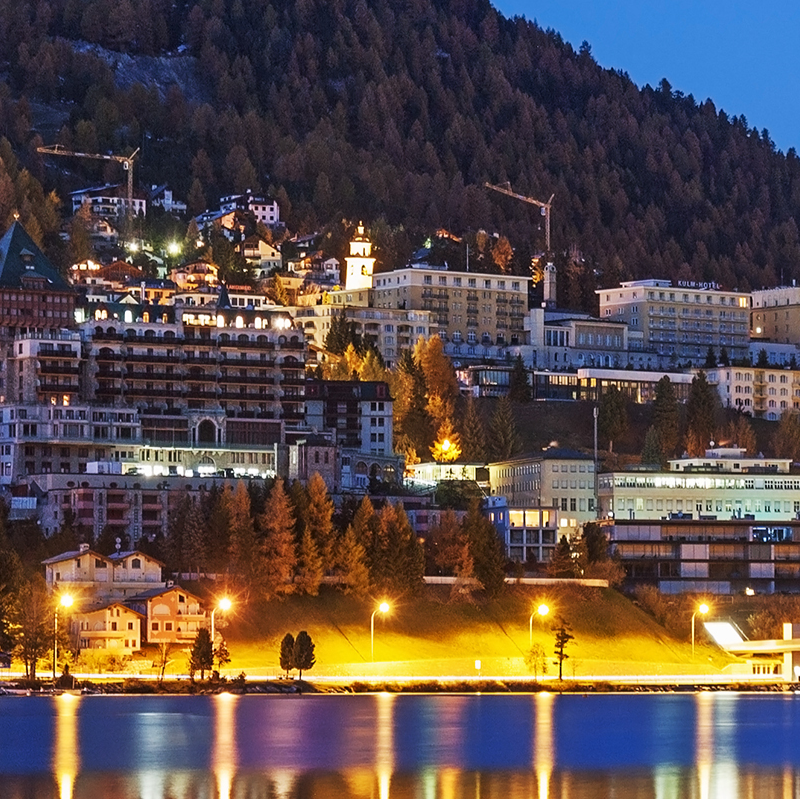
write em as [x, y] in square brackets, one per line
[743, 55]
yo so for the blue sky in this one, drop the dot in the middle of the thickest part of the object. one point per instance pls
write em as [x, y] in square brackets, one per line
[744, 56]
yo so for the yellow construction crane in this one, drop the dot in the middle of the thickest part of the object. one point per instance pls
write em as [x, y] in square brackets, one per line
[125, 160]
[506, 189]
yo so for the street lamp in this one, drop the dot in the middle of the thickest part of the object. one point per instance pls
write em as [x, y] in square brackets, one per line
[383, 608]
[703, 609]
[224, 604]
[66, 602]
[542, 611]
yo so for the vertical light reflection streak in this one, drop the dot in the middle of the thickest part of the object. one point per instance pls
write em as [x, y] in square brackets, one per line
[384, 743]
[225, 755]
[66, 752]
[704, 742]
[544, 748]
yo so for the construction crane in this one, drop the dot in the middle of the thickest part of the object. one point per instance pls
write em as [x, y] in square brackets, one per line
[125, 160]
[506, 189]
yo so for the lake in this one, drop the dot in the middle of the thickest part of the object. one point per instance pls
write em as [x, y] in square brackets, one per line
[705, 745]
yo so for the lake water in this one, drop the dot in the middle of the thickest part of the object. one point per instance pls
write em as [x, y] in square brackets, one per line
[706, 745]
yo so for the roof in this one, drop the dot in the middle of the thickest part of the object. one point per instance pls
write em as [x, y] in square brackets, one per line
[152, 593]
[107, 605]
[549, 454]
[19, 256]
[129, 552]
[70, 555]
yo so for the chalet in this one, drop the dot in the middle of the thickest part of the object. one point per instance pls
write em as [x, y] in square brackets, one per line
[171, 614]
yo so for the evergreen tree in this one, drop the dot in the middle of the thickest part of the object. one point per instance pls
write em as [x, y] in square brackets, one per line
[724, 358]
[309, 565]
[563, 637]
[245, 556]
[338, 336]
[216, 510]
[31, 623]
[562, 564]
[711, 358]
[287, 653]
[222, 655]
[651, 452]
[413, 429]
[519, 389]
[372, 366]
[762, 362]
[594, 543]
[319, 519]
[398, 562]
[612, 419]
[700, 415]
[504, 437]
[437, 370]
[353, 568]
[11, 581]
[447, 446]
[277, 541]
[303, 656]
[485, 548]
[473, 434]
[201, 657]
[666, 418]
[194, 539]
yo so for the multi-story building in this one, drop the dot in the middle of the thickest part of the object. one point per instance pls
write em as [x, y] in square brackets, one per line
[391, 330]
[775, 315]
[263, 209]
[680, 322]
[109, 200]
[554, 478]
[722, 485]
[718, 556]
[763, 393]
[468, 309]
[529, 535]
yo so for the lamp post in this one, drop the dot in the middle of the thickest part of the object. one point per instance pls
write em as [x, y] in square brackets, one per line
[383, 608]
[542, 611]
[65, 601]
[224, 604]
[703, 609]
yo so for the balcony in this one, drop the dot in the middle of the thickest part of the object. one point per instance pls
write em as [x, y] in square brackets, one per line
[54, 369]
[199, 393]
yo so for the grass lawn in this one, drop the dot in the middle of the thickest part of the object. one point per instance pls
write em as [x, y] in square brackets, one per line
[430, 636]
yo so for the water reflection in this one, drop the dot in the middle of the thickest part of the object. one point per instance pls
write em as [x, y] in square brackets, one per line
[66, 753]
[706, 746]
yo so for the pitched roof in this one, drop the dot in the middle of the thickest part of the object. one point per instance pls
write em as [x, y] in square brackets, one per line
[19, 256]
[129, 552]
[70, 555]
[107, 605]
[151, 593]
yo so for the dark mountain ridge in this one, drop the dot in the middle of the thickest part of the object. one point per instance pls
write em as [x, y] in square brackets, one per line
[398, 111]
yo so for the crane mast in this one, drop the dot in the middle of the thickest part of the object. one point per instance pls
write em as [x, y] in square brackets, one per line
[506, 189]
[125, 160]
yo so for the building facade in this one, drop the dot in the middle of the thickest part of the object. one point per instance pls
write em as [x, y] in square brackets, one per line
[680, 322]
[763, 393]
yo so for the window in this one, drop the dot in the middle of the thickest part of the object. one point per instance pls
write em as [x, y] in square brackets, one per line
[154, 626]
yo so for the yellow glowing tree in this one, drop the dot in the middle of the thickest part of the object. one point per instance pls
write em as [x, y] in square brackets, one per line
[447, 447]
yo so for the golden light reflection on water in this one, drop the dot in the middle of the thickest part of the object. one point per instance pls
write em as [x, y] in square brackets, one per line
[224, 756]
[66, 751]
[384, 743]
[544, 747]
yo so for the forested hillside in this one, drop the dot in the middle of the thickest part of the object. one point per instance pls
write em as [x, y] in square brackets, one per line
[397, 112]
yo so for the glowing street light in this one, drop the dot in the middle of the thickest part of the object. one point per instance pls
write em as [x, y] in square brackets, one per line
[703, 609]
[542, 611]
[224, 604]
[173, 248]
[65, 602]
[383, 608]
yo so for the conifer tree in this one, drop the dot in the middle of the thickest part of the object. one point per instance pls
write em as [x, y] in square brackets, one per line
[309, 565]
[562, 564]
[519, 389]
[786, 439]
[666, 418]
[473, 434]
[398, 563]
[452, 552]
[201, 657]
[279, 293]
[353, 568]
[176, 527]
[279, 557]
[319, 519]
[287, 653]
[612, 419]
[372, 367]
[194, 539]
[216, 511]
[447, 446]
[504, 437]
[303, 655]
[485, 549]
[245, 555]
[700, 415]
[651, 452]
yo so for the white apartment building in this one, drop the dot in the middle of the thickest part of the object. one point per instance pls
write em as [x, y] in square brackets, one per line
[554, 478]
[763, 393]
[680, 321]
[722, 485]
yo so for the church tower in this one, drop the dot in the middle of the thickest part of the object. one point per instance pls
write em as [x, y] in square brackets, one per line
[359, 263]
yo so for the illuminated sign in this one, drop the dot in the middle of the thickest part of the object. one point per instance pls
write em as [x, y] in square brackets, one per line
[694, 284]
